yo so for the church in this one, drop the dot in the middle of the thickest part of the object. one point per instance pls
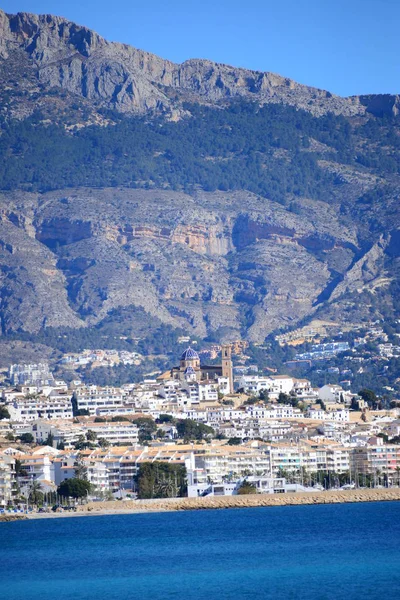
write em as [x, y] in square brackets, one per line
[190, 369]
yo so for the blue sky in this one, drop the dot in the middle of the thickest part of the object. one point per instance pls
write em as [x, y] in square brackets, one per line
[348, 47]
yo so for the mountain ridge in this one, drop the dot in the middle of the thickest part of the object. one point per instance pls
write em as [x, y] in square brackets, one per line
[119, 76]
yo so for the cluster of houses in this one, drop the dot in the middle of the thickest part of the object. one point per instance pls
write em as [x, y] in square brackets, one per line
[100, 358]
[113, 469]
[265, 427]
[323, 351]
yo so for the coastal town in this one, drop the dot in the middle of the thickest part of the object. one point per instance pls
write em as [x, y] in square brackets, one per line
[195, 430]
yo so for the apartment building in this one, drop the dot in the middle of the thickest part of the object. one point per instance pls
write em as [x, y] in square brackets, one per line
[35, 467]
[63, 432]
[54, 406]
[122, 432]
[212, 464]
[253, 384]
[340, 415]
[93, 397]
[377, 459]
[279, 411]
[67, 433]
[33, 373]
[7, 479]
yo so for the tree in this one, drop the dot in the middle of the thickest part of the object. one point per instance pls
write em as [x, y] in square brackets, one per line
[81, 443]
[234, 441]
[26, 438]
[103, 442]
[369, 397]
[19, 469]
[75, 488]
[147, 428]
[188, 429]
[164, 418]
[4, 414]
[250, 401]
[91, 436]
[50, 440]
[283, 398]
[161, 480]
[80, 469]
[398, 476]
[35, 493]
[247, 488]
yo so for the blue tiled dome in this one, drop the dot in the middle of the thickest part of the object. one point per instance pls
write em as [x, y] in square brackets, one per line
[190, 354]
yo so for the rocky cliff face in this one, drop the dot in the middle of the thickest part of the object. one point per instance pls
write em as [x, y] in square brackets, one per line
[58, 53]
[226, 262]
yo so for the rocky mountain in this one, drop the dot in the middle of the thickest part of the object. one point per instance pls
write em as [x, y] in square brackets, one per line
[55, 53]
[224, 202]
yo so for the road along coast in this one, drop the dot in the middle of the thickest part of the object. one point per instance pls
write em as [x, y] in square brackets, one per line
[214, 502]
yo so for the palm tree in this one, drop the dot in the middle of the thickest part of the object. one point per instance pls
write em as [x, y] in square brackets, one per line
[378, 474]
[80, 469]
[398, 476]
[35, 493]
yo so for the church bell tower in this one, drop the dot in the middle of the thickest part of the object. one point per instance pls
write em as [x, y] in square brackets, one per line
[227, 370]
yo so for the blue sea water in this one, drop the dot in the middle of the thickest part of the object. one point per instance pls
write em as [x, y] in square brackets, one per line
[299, 552]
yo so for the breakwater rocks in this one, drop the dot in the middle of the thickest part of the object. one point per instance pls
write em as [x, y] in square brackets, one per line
[8, 518]
[250, 501]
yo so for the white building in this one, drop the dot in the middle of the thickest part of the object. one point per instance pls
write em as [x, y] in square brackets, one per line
[38, 374]
[331, 393]
[341, 415]
[7, 479]
[93, 397]
[215, 463]
[253, 384]
[278, 411]
[54, 406]
[121, 432]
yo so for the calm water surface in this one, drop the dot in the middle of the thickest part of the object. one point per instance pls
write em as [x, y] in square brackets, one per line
[334, 551]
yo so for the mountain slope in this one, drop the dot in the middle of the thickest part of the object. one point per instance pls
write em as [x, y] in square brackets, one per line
[220, 201]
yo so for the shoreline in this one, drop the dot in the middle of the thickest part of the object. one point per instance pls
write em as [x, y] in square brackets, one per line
[116, 507]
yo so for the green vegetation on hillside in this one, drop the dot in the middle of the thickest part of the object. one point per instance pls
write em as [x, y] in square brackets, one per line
[243, 146]
[129, 328]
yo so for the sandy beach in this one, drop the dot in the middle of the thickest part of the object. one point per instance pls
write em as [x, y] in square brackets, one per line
[251, 501]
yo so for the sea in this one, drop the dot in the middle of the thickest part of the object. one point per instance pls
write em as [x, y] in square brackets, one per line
[342, 551]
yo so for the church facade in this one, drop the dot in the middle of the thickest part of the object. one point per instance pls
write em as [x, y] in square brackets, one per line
[191, 370]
